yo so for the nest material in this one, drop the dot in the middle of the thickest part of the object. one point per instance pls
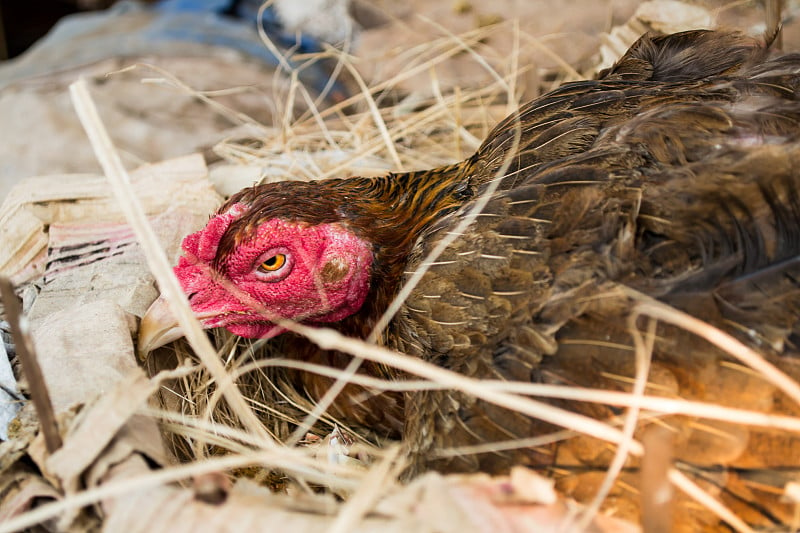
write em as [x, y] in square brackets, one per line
[208, 426]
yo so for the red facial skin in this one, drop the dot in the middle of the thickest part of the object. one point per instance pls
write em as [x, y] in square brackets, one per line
[324, 279]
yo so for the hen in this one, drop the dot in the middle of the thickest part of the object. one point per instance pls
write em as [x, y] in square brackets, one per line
[673, 176]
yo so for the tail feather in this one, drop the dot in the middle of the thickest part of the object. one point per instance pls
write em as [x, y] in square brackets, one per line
[690, 55]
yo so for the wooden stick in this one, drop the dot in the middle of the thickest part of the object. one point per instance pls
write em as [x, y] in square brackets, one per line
[30, 366]
[118, 179]
[657, 492]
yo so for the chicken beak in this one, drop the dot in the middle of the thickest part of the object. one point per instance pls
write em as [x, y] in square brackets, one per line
[158, 327]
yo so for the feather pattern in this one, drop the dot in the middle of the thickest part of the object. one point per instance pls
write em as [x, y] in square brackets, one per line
[674, 176]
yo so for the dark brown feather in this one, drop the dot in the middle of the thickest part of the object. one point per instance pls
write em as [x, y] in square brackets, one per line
[675, 174]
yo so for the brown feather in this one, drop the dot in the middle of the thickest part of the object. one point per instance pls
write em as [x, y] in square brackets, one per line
[675, 174]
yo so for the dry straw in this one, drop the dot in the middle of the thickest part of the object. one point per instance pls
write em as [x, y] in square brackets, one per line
[260, 408]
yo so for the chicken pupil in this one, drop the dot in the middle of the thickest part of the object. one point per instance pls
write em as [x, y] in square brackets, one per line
[273, 263]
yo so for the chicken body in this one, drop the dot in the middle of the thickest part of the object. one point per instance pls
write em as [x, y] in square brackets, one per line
[674, 176]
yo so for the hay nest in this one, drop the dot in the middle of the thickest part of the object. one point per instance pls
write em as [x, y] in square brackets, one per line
[218, 435]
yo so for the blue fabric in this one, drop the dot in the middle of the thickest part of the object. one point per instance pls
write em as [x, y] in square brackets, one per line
[131, 28]
[232, 24]
[244, 12]
[195, 6]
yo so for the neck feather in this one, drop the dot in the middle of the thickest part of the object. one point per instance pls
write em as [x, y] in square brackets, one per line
[390, 212]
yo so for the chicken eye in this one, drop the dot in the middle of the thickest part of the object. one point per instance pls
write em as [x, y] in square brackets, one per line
[273, 263]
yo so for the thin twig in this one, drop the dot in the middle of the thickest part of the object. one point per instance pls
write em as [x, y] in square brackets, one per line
[156, 258]
[643, 354]
[657, 404]
[374, 486]
[657, 494]
[691, 488]
[30, 366]
[724, 341]
[284, 458]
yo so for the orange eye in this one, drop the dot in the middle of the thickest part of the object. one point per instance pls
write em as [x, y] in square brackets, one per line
[273, 263]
